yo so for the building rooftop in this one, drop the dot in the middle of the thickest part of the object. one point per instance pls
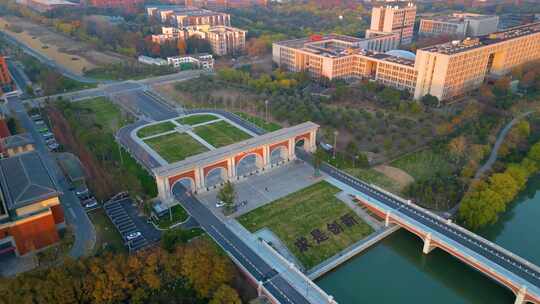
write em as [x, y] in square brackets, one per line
[185, 10]
[459, 17]
[25, 180]
[458, 46]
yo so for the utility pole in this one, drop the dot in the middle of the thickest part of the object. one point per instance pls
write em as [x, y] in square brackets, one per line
[335, 143]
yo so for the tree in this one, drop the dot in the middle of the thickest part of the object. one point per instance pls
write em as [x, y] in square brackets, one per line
[457, 147]
[227, 194]
[505, 185]
[225, 295]
[430, 100]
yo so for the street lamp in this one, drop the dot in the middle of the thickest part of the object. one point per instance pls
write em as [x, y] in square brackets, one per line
[266, 110]
[335, 143]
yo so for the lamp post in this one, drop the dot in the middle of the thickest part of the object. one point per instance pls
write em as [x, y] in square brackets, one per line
[335, 144]
[266, 110]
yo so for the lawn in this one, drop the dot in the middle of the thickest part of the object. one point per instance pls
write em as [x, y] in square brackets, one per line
[196, 119]
[106, 234]
[221, 134]
[175, 146]
[259, 122]
[103, 112]
[424, 164]
[377, 178]
[179, 215]
[156, 129]
[298, 214]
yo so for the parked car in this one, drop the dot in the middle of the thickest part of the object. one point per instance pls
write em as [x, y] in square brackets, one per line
[47, 135]
[91, 204]
[35, 117]
[53, 146]
[82, 192]
[133, 235]
[51, 140]
[39, 122]
[220, 204]
[44, 130]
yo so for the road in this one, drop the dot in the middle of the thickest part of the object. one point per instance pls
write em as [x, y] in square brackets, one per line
[255, 265]
[74, 213]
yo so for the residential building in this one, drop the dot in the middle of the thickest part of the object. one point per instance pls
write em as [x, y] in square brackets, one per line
[181, 16]
[202, 61]
[395, 18]
[226, 40]
[459, 24]
[152, 61]
[129, 6]
[30, 210]
[5, 77]
[445, 71]
[43, 6]
[17, 144]
[226, 3]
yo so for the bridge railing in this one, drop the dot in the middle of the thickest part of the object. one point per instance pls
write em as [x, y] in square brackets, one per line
[472, 235]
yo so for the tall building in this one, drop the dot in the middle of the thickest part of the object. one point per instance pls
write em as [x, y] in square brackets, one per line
[5, 78]
[30, 210]
[395, 18]
[226, 40]
[445, 71]
[459, 24]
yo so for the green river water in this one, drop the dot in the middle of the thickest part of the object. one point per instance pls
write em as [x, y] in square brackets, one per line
[396, 271]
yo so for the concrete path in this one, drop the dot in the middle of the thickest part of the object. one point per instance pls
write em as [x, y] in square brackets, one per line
[495, 152]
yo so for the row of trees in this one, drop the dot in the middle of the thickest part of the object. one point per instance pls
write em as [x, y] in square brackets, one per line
[485, 200]
[193, 273]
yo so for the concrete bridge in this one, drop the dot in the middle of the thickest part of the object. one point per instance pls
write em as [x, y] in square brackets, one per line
[504, 267]
[211, 169]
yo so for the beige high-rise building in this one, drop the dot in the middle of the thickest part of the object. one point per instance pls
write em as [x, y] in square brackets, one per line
[451, 69]
[445, 71]
[459, 24]
[396, 18]
[226, 40]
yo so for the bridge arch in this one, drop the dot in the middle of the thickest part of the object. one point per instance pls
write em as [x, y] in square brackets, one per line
[249, 163]
[188, 183]
[215, 177]
[302, 142]
[278, 154]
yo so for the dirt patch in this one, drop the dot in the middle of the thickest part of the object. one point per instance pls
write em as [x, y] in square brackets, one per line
[73, 55]
[396, 174]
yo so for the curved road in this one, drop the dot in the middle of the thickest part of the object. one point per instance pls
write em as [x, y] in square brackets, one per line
[495, 152]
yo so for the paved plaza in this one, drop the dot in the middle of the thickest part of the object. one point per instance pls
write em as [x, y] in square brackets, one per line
[259, 190]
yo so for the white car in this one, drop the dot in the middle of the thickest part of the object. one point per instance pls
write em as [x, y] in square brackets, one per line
[133, 235]
[91, 204]
[220, 204]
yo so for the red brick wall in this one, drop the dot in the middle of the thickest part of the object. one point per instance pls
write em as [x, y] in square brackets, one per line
[35, 234]
[4, 74]
[189, 174]
[58, 214]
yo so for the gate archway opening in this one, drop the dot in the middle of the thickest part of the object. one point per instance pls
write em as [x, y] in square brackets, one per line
[215, 177]
[278, 155]
[302, 143]
[249, 164]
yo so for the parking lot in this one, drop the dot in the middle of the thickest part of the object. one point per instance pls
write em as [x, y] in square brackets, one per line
[136, 232]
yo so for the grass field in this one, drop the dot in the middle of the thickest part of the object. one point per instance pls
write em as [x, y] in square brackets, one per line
[179, 215]
[221, 134]
[259, 122]
[376, 178]
[196, 119]
[176, 146]
[156, 129]
[107, 235]
[299, 213]
[423, 164]
[104, 112]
